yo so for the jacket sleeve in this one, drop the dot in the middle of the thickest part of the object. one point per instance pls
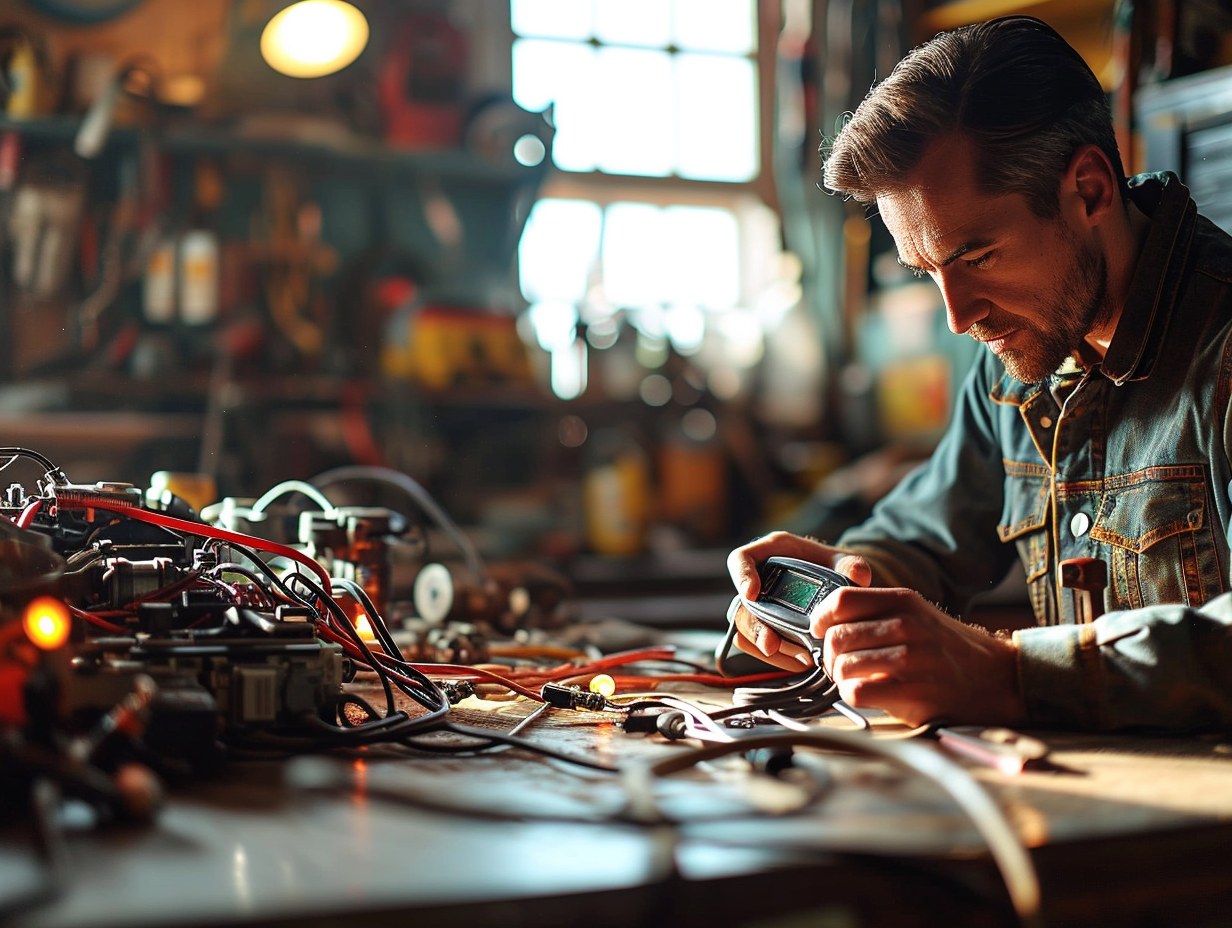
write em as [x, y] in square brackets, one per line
[936, 532]
[1158, 667]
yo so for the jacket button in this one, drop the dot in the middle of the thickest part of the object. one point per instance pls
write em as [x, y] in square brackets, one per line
[1079, 524]
[1045, 422]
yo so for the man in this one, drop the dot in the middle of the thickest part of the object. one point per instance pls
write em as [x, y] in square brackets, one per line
[1095, 426]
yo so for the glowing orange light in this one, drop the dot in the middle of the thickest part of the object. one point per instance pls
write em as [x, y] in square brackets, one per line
[602, 684]
[364, 627]
[46, 623]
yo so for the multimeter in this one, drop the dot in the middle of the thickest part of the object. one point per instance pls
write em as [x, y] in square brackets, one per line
[790, 591]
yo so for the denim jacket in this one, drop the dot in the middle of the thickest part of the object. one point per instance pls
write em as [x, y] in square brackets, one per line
[1127, 462]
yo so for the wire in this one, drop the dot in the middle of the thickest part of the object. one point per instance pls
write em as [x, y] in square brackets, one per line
[29, 512]
[332, 623]
[292, 486]
[493, 737]
[417, 493]
[13, 453]
[202, 529]
[1011, 857]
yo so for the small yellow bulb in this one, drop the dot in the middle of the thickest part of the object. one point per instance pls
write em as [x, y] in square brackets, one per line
[46, 622]
[602, 684]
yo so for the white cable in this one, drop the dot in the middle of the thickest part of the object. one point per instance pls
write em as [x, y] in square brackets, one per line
[293, 486]
[1009, 854]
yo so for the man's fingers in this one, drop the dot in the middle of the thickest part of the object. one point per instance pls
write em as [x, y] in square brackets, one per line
[754, 637]
[880, 662]
[847, 637]
[743, 570]
[855, 569]
[788, 657]
[910, 704]
[849, 604]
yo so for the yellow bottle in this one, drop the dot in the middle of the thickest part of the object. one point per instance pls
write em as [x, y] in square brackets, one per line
[25, 82]
[617, 495]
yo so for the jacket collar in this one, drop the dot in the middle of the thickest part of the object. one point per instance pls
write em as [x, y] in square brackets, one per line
[1157, 281]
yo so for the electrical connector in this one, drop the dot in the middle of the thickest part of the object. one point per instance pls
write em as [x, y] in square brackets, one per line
[560, 696]
[457, 690]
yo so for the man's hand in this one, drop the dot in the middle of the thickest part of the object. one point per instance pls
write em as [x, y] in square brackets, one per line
[886, 648]
[890, 649]
[760, 640]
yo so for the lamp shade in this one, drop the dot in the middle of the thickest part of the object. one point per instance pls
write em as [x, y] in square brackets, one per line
[313, 38]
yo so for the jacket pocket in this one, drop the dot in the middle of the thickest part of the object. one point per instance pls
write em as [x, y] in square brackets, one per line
[1023, 520]
[1161, 547]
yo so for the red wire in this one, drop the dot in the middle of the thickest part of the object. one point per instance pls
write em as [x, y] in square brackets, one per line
[95, 619]
[28, 514]
[208, 531]
[523, 684]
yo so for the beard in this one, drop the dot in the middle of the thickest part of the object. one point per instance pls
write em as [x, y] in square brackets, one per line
[1073, 306]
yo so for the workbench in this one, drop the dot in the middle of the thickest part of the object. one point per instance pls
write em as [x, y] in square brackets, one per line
[1122, 830]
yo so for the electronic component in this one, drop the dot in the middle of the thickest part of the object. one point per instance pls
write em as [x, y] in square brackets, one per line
[245, 640]
[572, 697]
[791, 590]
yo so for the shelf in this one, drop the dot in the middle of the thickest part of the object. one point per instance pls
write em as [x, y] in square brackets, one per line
[103, 428]
[964, 12]
[342, 150]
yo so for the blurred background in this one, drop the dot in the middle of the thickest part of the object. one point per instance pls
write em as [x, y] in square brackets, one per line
[565, 263]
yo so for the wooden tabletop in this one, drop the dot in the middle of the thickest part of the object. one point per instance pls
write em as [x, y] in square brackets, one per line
[1121, 830]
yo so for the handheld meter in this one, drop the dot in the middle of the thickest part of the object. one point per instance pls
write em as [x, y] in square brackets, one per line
[790, 591]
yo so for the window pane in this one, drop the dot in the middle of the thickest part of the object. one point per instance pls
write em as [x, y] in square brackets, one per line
[562, 74]
[558, 250]
[717, 124]
[705, 257]
[632, 113]
[636, 255]
[555, 19]
[634, 22]
[716, 25]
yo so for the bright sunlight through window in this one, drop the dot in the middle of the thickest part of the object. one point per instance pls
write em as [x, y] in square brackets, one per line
[644, 89]
[654, 88]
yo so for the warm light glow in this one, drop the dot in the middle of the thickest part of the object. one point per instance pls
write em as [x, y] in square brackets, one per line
[313, 38]
[364, 627]
[46, 622]
[603, 684]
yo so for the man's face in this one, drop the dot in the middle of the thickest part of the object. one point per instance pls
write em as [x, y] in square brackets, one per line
[1030, 289]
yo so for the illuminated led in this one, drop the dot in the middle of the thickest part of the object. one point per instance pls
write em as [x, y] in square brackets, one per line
[313, 38]
[364, 627]
[602, 684]
[46, 622]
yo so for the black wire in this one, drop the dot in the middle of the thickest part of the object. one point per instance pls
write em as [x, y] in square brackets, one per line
[270, 574]
[336, 610]
[487, 739]
[419, 687]
[379, 628]
[13, 453]
[383, 674]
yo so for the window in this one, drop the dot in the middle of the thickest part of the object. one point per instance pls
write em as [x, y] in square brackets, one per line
[652, 220]
[655, 88]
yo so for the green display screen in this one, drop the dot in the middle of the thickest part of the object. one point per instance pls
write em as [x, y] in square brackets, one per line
[795, 590]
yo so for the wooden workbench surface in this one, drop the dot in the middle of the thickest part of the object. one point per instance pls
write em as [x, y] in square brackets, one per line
[1131, 825]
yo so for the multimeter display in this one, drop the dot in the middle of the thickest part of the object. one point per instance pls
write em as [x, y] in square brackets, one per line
[790, 591]
[794, 589]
